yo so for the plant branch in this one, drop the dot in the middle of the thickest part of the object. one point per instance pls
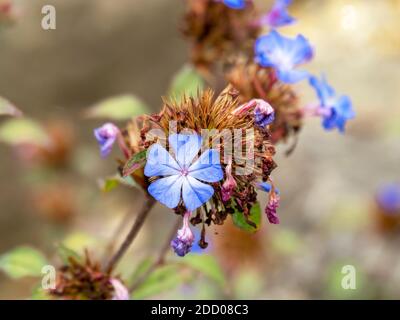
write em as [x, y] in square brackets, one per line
[160, 259]
[137, 225]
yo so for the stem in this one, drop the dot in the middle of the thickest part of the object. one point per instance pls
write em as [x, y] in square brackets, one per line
[120, 228]
[137, 225]
[160, 259]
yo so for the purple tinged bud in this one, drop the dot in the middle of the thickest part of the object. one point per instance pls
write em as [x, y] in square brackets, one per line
[229, 185]
[106, 135]
[271, 208]
[183, 242]
[120, 291]
[264, 114]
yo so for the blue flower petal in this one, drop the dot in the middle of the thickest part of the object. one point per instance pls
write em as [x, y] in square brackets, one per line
[167, 190]
[195, 193]
[185, 147]
[340, 108]
[278, 16]
[160, 163]
[235, 4]
[292, 76]
[207, 167]
[323, 89]
[283, 54]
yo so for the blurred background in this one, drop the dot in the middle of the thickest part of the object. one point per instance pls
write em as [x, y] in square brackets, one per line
[329, 216]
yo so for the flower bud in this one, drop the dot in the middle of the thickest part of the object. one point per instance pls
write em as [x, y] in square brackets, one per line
[120, 291]
[264, 114]
[271, 208]
[229, 185]
[183, 242]
[106, 136]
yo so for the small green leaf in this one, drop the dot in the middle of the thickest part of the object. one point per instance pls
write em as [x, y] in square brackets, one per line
[22, 262]
[65, 253]
[161, 280]
[187, 81]
[134, 163]
[255, 217]
[23, 131]
[122, 107]
[7, 108]
[207, 265]
[110, 183]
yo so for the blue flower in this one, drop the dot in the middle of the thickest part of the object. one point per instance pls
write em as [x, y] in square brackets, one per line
[283, 54]
[235, 4]
[183, 242]
[278, 16]
[106, 136]
[388, 197]
[335, 110]
[180, 174]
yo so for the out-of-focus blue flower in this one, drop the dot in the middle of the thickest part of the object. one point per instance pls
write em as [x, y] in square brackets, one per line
[235, 4]
[180, 175]
[278, 16]
[388, 197]
[183, 242]
[106, 135]
[283, 54]
[266, 186]
[335, 110]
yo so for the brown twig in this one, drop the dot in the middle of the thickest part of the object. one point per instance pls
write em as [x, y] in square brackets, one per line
[137, 225]
[120, 228]
[160, 259]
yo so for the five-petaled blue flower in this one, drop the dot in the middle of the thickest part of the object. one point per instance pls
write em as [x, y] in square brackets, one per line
[335, 110]
[278, 16]
[180, 174]
[235, 4]
[106, 136]
[283, 54]
[388, 197]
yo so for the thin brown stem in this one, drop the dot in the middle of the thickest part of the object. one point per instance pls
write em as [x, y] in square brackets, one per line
[137, 225]
[120, 228]
[160, 258]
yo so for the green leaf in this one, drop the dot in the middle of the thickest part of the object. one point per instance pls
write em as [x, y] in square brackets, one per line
[187, 81]
[122, 107]
[207, 265]
[134, 163]
[7, 108]
[65, 253]
[255, 217]
[23, 131]
[110, 183]
[162, 279]
[22, 262]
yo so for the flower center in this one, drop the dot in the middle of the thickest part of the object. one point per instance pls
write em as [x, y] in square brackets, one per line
[184, 172]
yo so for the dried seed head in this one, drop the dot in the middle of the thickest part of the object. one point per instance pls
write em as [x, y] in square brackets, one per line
[84, 280]
[217, 32]
[253, 81]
